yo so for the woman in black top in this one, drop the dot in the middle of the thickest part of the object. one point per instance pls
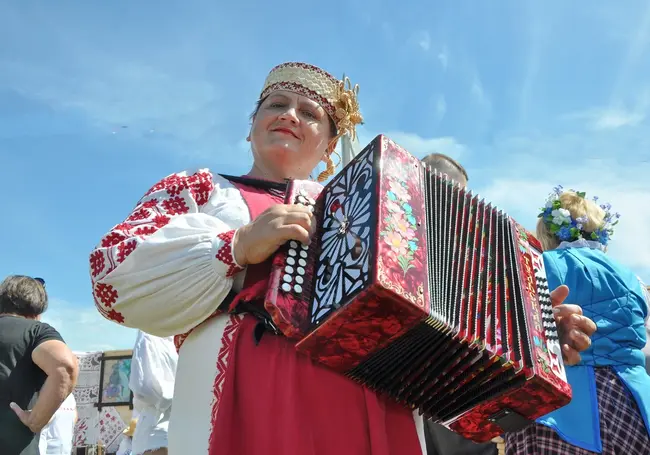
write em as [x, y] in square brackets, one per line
[33, 359]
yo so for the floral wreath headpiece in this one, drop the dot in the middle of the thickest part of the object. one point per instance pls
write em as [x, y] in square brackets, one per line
[339, 98]
[566, 229]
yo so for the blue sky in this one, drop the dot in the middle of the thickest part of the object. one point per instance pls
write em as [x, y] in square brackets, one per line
[525, 96]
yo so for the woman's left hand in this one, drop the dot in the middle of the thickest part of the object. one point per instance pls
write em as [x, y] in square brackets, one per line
[573, 328]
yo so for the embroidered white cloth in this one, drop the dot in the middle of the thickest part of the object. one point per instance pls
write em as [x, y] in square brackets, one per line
[94, 425]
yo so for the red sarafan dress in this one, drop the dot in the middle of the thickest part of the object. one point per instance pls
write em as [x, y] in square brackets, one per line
[167, 268]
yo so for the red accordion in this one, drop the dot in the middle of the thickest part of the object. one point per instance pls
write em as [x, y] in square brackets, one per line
[419, 290]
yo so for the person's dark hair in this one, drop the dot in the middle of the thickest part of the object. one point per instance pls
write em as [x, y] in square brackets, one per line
[333, 128]
[447, 165]
[23, 296]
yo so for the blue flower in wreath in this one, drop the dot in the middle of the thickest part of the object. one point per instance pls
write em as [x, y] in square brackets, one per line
[391, 196]
[603, 236]
[413, 245]
[411, 219]
[407, 208]
[564, 233]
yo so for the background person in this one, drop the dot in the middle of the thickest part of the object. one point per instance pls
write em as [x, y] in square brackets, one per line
[610, 406]
[36, 367]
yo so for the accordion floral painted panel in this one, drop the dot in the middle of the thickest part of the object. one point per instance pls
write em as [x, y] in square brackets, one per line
[549, 350]
[396, 299]
[547, 353]
[401, 250]
[533, 400]
[370, 322]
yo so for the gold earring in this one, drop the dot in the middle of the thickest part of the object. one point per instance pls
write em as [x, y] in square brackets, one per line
[328, 172]
[330, 169]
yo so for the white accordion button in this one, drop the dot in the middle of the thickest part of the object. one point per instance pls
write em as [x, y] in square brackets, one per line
[292, 252]
[293, 244]
[286, 287]
[297, 288]
[299, 279]
[291, 261]
[301, 262]
[303, 254]
[304, 247]
[288, 269]
[287, 278]
[311, 201]
[311, 208]
[301, 271]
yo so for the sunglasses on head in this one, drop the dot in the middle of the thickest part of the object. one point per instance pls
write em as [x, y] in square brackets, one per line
[40, 280]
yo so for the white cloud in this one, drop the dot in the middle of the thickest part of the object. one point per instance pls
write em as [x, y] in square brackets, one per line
[419, 146]
[422, 39]
[615, 118]
[609, 118]
[114, 92]
[479, 94]
[74, 71]
[443, 58]
[627, 188]
[177, 110]
[84, 329]
[425, 41]
[477, 90]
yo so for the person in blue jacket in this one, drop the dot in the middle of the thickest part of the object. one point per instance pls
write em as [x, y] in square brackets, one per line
[610, 409]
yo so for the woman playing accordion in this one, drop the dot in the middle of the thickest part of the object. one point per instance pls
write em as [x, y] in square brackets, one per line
[193, 252]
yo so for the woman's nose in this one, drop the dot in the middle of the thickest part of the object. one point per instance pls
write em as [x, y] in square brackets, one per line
[289, 115]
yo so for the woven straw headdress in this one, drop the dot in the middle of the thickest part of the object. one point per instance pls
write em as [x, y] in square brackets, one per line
[337, 97]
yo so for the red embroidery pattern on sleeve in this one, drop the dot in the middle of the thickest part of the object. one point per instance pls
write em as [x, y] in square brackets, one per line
[225, 253]
[97, 262]
[173, 196]
[105, 296]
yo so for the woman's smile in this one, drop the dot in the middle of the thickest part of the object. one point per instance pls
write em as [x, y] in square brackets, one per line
[285, 132]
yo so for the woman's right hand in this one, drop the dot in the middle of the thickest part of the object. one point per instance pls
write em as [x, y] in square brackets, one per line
[278, 224]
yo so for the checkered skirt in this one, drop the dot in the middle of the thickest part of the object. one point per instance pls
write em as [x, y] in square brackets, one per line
[622, 429]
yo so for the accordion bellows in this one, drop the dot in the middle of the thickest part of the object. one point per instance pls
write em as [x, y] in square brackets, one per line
[420, 290]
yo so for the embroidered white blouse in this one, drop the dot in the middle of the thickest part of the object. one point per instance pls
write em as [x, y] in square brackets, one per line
[169, 265]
